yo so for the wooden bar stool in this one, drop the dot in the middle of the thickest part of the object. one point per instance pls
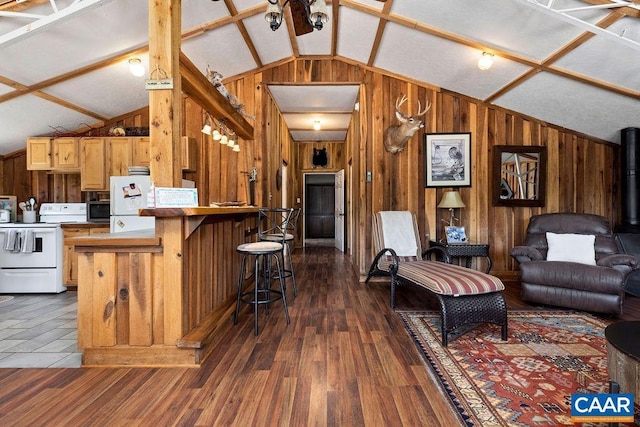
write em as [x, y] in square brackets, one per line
[265, 254]
[278, 225]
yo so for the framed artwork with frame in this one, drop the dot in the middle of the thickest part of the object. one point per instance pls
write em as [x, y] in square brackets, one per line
[456, 235]
[447, 159]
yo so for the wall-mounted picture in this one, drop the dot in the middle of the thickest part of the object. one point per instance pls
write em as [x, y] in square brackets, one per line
[448, 159]
[456, 235]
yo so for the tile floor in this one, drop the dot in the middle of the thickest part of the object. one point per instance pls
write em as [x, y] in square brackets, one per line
[39, 331]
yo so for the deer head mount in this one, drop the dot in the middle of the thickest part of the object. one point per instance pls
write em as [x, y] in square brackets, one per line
[397, 136]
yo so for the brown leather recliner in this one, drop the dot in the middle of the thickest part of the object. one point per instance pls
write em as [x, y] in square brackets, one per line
[595, 288]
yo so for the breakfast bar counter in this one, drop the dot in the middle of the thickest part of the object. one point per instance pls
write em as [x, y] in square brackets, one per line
[198, 211]
[161, 297]
[194, 217]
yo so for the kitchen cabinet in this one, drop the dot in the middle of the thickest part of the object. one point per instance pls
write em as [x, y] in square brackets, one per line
[39, 153]
[104, 157]
[93, 162]
[69, 256]
[120, 154]
[57, 154]
[140, 146]
[65, 154]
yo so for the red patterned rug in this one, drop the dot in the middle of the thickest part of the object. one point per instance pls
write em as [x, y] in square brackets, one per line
[525, 381]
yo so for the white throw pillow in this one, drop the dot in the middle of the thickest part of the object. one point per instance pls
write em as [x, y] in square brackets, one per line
[571, 247]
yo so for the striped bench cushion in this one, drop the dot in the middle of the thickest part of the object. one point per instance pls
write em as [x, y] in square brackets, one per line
[447, 279]
[385, 261]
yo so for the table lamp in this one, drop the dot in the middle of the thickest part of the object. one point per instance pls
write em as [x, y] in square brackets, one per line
[451, 200]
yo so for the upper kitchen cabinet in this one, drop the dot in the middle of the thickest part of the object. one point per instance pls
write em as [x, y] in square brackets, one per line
[101, 158]
[65, 154]
[120, 153]
[39, 153]
[93, 162]
[140, 147]
[58, 154]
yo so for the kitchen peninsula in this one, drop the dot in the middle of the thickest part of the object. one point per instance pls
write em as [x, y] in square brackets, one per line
[129, 316]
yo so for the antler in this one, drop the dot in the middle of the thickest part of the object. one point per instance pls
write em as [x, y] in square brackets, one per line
[426, 108]
[400, 101]
[403, 99]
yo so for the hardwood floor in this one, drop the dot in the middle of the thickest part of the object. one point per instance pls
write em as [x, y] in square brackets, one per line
[345, 359]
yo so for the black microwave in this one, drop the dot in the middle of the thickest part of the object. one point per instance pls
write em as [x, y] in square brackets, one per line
[98, 211]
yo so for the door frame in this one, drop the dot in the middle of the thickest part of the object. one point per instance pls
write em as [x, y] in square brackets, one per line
[305, 176]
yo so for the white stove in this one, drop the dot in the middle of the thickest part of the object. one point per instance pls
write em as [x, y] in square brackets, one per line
[31, 254]
[63, 212]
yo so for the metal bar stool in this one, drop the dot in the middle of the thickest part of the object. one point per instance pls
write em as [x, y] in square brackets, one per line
[280, 224]
[265, 254]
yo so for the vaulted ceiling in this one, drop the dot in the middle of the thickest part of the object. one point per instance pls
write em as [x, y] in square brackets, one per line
[571, 63]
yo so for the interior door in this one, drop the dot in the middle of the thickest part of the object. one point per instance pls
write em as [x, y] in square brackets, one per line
[339, 210]
[319, 210]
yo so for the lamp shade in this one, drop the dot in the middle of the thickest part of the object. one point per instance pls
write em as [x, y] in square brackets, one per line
[451, 200]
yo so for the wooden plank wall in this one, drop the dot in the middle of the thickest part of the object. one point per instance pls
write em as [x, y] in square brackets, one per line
[335, 156]
[582, 173]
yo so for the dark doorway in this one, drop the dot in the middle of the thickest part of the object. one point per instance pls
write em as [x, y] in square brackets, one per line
[320, 207]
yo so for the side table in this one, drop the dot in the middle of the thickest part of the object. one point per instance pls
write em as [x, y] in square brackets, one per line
[623, 357]
[466, 251]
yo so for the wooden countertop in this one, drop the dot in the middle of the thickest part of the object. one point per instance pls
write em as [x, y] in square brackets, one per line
[131, 238]
[197, 211]
[196, 216]
[84, 225]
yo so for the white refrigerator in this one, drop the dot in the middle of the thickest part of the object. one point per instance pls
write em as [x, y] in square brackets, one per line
[128, 194]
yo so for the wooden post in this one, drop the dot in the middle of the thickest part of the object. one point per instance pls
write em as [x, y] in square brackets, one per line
[165, 111]
[165, 105]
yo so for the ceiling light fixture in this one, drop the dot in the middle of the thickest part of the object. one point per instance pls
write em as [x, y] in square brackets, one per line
[315, 11]
[136, 68]
[486, 61]
[317, 125]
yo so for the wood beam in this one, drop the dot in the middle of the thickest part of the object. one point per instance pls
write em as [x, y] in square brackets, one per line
[197, 87]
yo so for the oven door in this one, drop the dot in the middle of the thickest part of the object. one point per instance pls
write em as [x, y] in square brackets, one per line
[44, 253]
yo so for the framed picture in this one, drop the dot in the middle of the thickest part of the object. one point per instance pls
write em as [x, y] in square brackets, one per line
[448, 159]
[455, 235]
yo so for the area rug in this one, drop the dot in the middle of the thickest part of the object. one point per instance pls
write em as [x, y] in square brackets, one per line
[525, 381]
